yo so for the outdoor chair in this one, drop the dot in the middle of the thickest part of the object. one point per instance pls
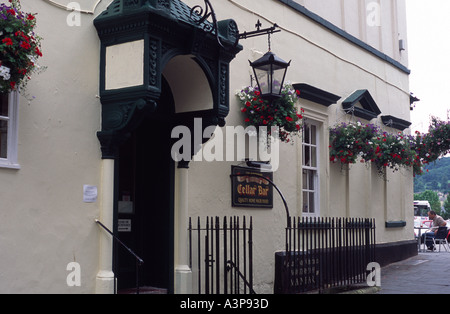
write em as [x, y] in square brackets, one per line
[441, 238]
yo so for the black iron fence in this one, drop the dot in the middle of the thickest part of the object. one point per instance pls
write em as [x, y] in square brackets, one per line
[221, 255]
[323, 253]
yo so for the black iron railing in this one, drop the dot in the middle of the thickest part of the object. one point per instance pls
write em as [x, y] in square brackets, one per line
[221, 255]
[139, 261]
[323, 253]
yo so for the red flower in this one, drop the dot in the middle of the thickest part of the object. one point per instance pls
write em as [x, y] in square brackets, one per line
[257, 93]
[244, 110]
[30, 17]
[13, 85]
[19, 33]
[38, 52]
[11, 11]
[8, 41]
[289, 119]
[247, 120]
[248, 104]
[25, 45]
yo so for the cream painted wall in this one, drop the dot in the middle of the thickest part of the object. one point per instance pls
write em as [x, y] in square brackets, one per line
[327, 61]
[46, 225]
[379, 23]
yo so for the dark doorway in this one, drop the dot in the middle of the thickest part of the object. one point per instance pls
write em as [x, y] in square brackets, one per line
[146, 202]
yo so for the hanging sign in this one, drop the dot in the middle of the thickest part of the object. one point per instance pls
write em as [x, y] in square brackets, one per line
[250, 188]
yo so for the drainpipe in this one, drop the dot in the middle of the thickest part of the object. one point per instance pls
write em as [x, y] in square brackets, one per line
[105, 276]
[183, 273]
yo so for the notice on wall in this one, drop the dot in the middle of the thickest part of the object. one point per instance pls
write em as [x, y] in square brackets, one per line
[90, 193]
[250, 188]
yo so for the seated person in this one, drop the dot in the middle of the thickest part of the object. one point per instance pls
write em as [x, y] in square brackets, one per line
[438, 221]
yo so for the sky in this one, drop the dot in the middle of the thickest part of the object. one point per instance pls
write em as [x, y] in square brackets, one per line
[429, 59]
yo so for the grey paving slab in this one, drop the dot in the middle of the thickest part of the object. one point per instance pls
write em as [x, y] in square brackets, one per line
[427, 273]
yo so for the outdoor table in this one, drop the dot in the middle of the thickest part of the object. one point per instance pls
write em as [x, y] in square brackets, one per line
[420, 237]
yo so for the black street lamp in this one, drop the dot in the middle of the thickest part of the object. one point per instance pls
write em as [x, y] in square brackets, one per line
[270, 72]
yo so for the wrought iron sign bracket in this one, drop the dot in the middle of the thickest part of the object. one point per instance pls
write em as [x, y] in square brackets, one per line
[201, 15]
[260, 32]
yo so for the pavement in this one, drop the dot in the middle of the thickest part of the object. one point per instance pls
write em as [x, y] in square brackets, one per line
[427, 273]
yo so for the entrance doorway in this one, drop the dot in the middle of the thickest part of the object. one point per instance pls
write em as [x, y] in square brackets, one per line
[145, 212]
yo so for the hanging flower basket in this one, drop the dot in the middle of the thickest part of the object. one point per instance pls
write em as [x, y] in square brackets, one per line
[436, 143]
[369, 144]
[20, 47]
[281, 113]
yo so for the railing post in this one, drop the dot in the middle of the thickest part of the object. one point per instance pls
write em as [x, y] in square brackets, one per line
[225, 255]
[207, 262]
[217, 227]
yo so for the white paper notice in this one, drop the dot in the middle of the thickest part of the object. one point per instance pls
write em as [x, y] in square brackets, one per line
[89, 193]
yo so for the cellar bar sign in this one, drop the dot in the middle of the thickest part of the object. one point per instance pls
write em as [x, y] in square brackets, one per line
[250, 188]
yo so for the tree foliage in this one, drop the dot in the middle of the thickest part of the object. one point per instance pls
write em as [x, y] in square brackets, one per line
[436, 177]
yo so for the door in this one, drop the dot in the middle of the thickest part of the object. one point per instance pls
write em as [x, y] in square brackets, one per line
[145, 205]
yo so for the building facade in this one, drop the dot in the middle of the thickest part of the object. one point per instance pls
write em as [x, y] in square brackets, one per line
[89, 146]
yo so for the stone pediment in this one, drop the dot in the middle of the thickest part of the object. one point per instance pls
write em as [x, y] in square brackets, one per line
[362, 105]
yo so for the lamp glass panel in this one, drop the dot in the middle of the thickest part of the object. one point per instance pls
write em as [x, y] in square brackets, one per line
[278, 76]
[263, 77]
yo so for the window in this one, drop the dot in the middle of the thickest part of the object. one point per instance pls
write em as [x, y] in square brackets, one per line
[8, 130]
[310, 170]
